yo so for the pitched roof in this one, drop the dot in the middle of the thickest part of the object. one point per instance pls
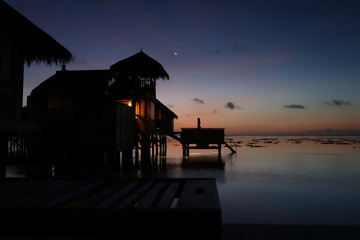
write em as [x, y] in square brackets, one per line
[139, 65]
[35, 45]
[75, 81]
[164, 108]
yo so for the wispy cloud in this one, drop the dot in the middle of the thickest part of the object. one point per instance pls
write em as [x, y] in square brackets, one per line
[198, 101]
[266, 60]
[80, 60]
[337, 103]
[294, 106]
[231, 105]
[238, 48]
[234, 49]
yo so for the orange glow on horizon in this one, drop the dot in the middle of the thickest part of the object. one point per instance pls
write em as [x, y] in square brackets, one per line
[262, 126]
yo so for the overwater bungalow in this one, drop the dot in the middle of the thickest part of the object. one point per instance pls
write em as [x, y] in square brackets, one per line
[94, 117]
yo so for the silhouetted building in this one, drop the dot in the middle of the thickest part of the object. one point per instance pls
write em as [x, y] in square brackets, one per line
[99, 114]
[20, 42]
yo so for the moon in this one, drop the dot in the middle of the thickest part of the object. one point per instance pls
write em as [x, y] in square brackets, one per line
[175, 53]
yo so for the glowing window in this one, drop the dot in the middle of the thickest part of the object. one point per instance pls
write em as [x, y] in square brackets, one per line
[126, 102]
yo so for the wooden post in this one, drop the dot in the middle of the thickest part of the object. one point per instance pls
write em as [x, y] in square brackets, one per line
[137, 151]
[219, 151]
[116, 159]
[186, 150]
[164, 144]
[127, 159]
[152, 146]
[145, 149]
[3, 154]
[157, 144]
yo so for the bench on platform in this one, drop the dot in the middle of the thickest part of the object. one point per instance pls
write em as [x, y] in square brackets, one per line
[121, 208]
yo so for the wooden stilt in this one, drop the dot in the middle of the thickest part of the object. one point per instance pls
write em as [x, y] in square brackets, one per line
[219, 152]
[145, 149]
[3, 154]
[137, 151]
[165, 145]
[152, 147]
[127, 159]
[157, 144]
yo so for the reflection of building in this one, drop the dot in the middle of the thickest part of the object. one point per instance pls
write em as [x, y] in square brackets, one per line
[100, 113]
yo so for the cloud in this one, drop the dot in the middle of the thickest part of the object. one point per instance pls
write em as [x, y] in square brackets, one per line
[228, 50]
[80, 60]
[294, 106]
[238, 48]
[231, 106]
[198, 101]
[337, 103]
[266, 60]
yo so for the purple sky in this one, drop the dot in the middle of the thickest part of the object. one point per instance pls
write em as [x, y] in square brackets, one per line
[252, 67]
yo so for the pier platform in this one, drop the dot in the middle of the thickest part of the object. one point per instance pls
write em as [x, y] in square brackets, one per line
[203, 138]
[117, 209]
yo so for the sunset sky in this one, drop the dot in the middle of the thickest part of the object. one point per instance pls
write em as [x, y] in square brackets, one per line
[251, 67]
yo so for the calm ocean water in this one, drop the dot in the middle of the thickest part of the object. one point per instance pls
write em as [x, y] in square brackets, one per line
[277, 180]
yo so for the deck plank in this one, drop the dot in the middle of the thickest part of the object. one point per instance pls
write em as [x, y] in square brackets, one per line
[65, 197]
[133, 197]
[11, 187]
[106, 208]
[168, 197]
[152, 196]
[200, 193]
[112, 199]
[39, 196]
[97, 197]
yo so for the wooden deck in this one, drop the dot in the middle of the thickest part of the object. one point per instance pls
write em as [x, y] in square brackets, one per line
[122, 208]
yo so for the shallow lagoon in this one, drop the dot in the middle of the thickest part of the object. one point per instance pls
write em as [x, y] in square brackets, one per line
[282, 180]
[275, 180]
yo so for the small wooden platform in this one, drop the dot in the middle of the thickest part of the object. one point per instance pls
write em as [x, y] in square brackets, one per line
[203, 138]
[120, 209]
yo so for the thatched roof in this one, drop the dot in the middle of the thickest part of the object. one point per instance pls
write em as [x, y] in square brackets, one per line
[75, 82]
[35, 44]
[139, 65]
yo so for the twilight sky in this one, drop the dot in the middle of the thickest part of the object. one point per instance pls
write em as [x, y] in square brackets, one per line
[249, 66]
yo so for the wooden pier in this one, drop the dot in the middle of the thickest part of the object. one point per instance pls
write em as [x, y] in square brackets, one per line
[121, 208]
[203, 138]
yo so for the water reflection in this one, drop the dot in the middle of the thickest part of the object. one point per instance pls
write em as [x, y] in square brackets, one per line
[298, 180]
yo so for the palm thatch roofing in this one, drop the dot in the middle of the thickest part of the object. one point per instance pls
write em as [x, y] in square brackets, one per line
[75, 82]
[139, 65]
[35, 45]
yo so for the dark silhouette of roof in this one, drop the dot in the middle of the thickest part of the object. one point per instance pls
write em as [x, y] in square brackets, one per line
[78, 81]
[166, 109]
[35, 44]
[139, 65]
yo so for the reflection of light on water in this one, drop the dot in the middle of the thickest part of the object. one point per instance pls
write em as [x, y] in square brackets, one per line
[53, 170]
[15, 171]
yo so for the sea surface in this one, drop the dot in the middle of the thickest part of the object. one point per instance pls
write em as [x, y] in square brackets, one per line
[274, 180]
